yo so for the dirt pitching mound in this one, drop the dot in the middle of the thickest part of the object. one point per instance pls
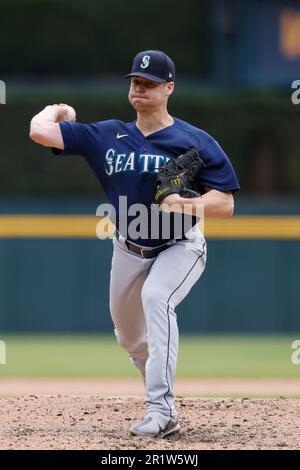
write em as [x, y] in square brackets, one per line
[95, 422]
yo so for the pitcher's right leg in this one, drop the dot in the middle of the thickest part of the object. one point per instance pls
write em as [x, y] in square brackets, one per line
[128, 274]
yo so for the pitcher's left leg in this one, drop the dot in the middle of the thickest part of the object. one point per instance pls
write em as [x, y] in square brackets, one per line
[171, 277]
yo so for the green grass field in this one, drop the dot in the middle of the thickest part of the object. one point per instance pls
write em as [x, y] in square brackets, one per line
[101, 356]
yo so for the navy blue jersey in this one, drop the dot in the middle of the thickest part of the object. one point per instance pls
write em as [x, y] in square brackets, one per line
[126, 162]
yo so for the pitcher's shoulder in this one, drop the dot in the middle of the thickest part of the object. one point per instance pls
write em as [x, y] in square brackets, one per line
[189, 128]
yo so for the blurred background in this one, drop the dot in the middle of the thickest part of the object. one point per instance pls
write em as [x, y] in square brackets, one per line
[236, 63]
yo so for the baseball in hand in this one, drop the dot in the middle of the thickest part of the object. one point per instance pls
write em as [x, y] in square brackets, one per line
[70, 114]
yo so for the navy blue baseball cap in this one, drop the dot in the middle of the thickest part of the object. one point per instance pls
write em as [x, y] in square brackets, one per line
[153, 65]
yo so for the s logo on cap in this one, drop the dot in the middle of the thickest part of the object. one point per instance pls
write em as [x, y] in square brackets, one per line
[145, 61]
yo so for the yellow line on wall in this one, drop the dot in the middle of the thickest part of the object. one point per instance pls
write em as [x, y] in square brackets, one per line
[279, 227]
[48, 226]
[82, 226]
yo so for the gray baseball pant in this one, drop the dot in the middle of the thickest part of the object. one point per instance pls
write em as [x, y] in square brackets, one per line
[143, 296]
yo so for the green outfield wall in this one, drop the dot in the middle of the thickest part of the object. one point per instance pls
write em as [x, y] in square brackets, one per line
[61, 285]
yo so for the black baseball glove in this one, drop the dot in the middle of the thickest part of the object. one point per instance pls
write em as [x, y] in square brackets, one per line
[178, 176]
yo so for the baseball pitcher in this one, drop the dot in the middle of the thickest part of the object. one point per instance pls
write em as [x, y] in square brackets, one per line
[165, 163]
